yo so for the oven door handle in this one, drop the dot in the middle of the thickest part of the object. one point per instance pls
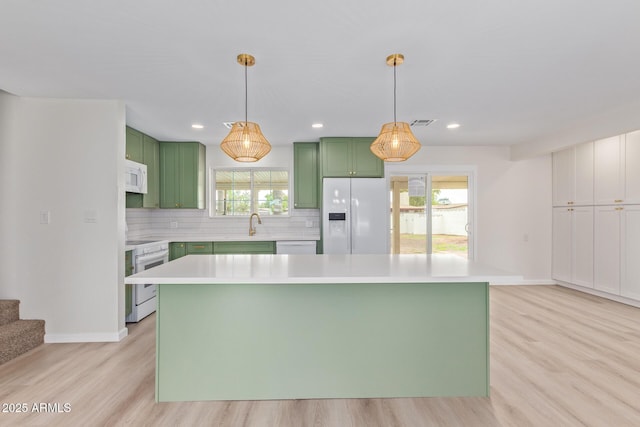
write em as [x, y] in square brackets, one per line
[150, 258]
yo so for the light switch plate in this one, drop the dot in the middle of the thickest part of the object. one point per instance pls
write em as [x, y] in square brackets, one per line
[45, 217]
[90, 216]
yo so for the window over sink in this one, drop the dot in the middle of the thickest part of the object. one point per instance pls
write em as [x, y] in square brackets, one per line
[240, 192]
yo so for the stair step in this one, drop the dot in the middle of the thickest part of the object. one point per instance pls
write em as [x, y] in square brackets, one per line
[19, 337]
[9, 311]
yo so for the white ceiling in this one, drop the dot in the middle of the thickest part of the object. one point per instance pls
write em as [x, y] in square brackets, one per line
[510, 72]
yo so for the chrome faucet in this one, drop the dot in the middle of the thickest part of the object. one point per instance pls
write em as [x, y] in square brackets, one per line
[252, 228]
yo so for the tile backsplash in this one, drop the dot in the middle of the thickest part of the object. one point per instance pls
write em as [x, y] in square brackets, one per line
[176, 223]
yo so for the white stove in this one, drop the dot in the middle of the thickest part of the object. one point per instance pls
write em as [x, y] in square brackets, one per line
[146, 254]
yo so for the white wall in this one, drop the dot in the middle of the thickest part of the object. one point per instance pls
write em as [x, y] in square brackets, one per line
[513, 228]
[63, 157]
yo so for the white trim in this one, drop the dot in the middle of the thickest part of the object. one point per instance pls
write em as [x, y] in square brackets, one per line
[616, 298]
[527, 282]
[471, 171]
[211, 190]
[90, 337]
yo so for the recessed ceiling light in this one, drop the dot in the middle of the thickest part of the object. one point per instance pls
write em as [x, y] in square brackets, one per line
[317, 125]
[453, 125]
[197, 126]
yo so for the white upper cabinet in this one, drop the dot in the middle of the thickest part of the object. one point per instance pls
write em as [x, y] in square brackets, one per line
[563, 177]
[609, 171]
[584, 174]
[573, 176]
[632, 168]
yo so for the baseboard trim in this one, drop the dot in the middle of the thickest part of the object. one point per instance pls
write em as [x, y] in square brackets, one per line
[525, 282]
[90, 337]
[601, 294]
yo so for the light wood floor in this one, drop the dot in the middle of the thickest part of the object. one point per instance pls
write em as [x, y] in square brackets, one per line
[558, 358]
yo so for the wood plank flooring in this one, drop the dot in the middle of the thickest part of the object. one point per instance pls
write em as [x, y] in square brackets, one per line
[558, 358]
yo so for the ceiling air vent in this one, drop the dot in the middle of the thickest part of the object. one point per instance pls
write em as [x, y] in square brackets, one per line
[422, 123]
[228, 125]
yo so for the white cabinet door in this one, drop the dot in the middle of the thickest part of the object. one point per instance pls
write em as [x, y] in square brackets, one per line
[632, 168]
[563, 169]
[630, 281]
[607, 249]
[573, 176]
[583, 179]
[582, 259]
[609, 173]
[562, 253]
[573, 245]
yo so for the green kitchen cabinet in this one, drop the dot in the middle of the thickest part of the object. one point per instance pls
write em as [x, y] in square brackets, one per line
[350, 158]
[177, 250]
[305, 175]
[134, 150]
[150, 156]
[182, 175]
[151, 153]
[260, 247]
[128, 289]
[203, 248]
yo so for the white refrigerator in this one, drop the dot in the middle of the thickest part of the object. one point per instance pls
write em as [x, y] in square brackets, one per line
[355, 216]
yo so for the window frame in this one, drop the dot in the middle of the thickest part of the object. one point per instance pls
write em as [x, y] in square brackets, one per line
[213, 189]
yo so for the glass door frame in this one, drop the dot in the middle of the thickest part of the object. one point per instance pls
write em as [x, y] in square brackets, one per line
[469, 171]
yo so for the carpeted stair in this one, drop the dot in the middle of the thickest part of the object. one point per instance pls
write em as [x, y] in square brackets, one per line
[17, 336]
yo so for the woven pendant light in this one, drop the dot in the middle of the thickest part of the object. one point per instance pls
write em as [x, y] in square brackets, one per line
[396, 142]
[245, 142]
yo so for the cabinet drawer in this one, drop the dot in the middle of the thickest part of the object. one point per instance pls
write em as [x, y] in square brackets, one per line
[199, 248]
[244, 248]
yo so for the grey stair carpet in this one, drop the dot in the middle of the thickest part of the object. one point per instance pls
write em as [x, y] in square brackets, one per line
[9, 311]
[17, 336]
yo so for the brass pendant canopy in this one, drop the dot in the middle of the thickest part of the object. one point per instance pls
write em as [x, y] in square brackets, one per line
[396, 142]
[245, 141]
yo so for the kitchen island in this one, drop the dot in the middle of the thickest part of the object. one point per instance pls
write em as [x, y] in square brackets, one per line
[247, 327]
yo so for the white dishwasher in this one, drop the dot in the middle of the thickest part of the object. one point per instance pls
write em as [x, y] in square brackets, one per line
[296, 247]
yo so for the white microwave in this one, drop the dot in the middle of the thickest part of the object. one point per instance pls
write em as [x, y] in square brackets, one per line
[135, 177]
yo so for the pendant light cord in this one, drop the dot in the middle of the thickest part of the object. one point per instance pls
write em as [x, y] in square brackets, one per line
[246, 93]
[394, 91]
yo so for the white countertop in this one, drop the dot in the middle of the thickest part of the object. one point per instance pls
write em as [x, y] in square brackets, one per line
[231, 238]
[251, 269]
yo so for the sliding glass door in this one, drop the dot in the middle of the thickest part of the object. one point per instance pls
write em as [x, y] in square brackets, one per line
[431, 213]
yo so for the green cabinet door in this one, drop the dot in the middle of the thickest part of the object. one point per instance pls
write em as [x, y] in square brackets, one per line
[128, 289]
[169, 175]
[133, 149]
[350, 158]
[182, 175]
[151, 154]
[336, 157]
[305, 175]
[261, 247]
[177, 250]
[365, 164]
[202, 248]
[145, 150]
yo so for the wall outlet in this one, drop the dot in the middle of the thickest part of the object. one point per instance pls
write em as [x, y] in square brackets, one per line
[90, 216]
[45, 217]
[309, 223]
[173, 224]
